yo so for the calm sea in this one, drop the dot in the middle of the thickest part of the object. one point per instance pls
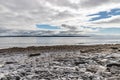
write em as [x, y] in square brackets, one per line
[7, 42]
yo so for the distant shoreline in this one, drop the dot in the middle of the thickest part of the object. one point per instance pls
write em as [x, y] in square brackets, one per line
[44, 36]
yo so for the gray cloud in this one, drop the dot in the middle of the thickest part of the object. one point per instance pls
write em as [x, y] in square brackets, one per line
[95, 3]
[69, 27]
[71, 30]
[70, 33]
[62, 15]
[15, 15]
[20, 5]
[11, 32]
[4, 30]
[64, 3]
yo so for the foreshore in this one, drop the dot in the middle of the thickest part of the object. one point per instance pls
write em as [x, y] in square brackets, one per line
[63, 62]
[81, 48]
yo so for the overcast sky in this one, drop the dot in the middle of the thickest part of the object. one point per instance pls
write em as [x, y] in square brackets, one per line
[59, 17]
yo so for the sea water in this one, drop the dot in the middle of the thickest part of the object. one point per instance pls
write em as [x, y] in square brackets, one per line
[8, 42]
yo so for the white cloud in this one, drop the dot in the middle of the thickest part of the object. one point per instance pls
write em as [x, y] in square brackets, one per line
[25, 14]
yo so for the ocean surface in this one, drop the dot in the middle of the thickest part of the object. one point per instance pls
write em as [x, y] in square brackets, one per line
[8, 42]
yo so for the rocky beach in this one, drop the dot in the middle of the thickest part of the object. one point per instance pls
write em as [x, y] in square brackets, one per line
[75, 62]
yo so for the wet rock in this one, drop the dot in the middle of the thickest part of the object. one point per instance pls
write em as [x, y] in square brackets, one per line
[10, 62]
[113, 64]
[22, 74]
[114, 47]
[10, 77]
[21, 66]
[33, 55]
[114, 68]
[32, 77]
[87, 76]
[80, 60]
[105, 74]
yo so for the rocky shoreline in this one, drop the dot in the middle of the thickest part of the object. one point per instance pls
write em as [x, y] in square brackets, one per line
[90, 62]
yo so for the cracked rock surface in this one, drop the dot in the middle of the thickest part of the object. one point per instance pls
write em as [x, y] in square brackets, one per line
[61, 65]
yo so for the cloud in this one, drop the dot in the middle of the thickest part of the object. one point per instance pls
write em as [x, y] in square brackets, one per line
[71, 16]
[112, 22]
[3, 30]
[11, 32]
[93, 3]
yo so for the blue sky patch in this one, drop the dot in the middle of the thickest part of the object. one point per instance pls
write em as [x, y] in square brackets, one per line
[105, 14]
[115, 11]
[45, 26]
[110, 31]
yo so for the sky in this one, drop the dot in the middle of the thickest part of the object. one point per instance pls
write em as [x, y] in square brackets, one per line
[59, 17]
